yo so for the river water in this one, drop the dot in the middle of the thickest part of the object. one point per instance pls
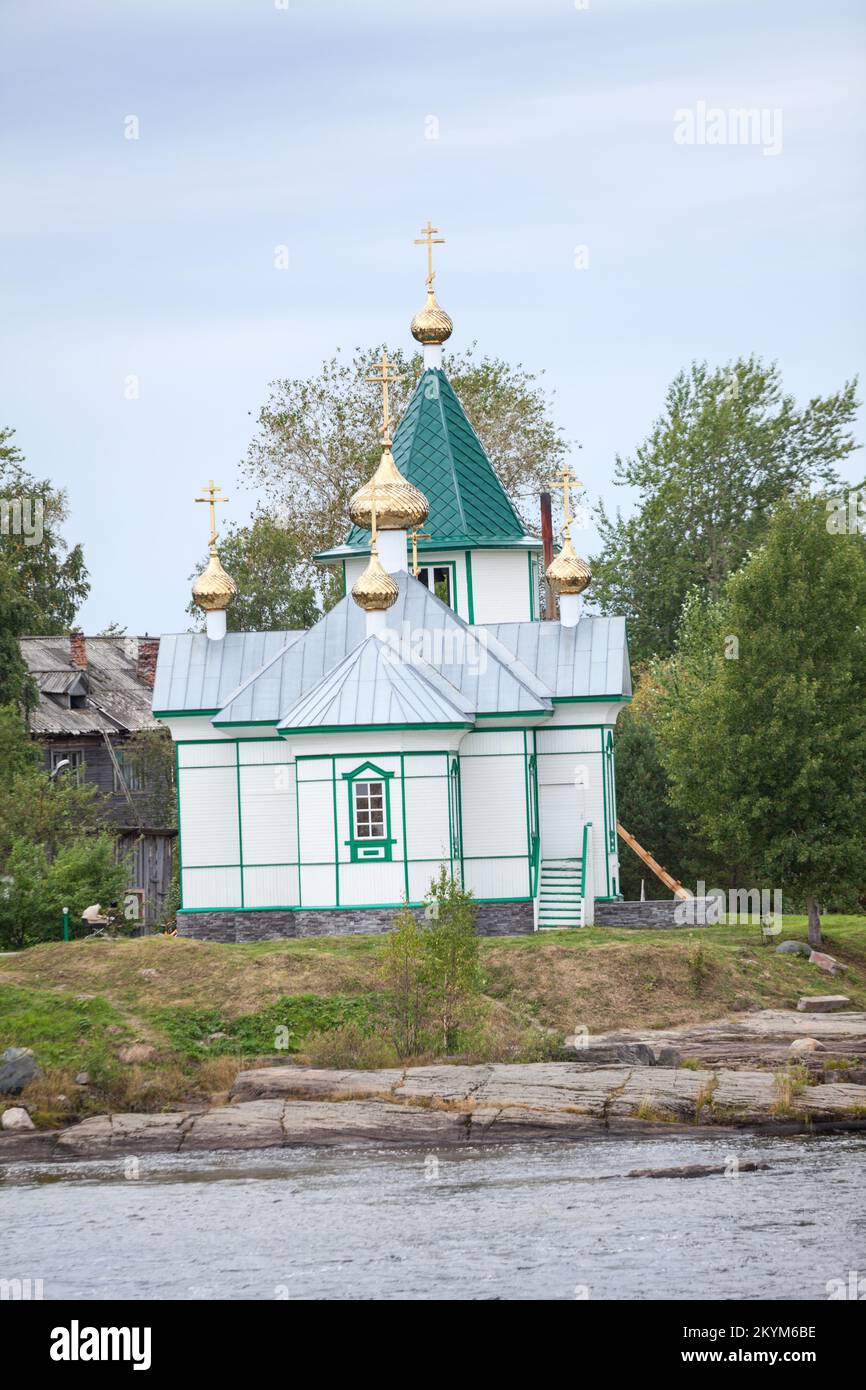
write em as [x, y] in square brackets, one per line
[551, 1220]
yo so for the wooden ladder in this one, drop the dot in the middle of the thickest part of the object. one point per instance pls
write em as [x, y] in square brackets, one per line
[667, 879]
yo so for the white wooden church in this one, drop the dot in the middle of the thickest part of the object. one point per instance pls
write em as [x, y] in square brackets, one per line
[431, 717]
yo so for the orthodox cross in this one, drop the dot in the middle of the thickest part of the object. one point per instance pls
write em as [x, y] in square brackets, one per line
[429, 239]
[383, 364]
[567, 481]
[416, 536]
[212, 489]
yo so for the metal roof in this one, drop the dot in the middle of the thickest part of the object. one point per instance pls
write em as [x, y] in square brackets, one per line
[195, 673]
[427, 659]
[374, 687]
[485, 673]
[579, 662]
[437, 449]
[116, 700]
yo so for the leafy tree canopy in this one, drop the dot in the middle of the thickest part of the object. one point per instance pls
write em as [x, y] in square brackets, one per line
[727, 446]
[762, 712]
[319, 437]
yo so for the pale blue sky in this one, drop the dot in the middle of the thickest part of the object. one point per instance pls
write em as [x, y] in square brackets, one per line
[305, 125]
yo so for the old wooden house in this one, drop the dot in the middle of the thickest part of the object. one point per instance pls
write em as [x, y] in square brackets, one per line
[94, 695]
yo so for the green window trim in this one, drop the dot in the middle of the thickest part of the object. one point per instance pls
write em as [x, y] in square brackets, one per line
[368, 849]
[470, 597]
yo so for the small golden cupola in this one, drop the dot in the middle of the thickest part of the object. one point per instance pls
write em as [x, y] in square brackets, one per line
[431, 326]
[399, 506]
[567, 574]
[213, 590]
[375, 591]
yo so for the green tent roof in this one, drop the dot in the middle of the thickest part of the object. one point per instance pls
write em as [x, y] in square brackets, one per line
[437, 449]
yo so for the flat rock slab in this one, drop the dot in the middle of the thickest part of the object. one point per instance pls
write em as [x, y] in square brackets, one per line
[823, 1003]
[309, 1083]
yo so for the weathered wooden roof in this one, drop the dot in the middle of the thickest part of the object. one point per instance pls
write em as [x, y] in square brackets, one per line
[116, 701]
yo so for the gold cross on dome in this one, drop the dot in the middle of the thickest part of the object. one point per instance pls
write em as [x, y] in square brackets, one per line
[212, 489]
[383, 364]
[567, 481]
[416, 536]
[429, 239]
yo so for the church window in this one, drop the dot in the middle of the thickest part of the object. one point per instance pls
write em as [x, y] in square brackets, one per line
[369, 813]
[437, 578]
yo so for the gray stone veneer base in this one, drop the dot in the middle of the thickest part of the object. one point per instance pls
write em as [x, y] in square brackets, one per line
[491, 919]
[653, 914]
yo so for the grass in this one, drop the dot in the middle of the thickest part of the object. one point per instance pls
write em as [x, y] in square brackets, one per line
[76, 1004]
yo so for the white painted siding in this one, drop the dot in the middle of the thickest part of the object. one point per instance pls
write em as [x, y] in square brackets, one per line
[420, 878]
[268, 813]
[563, 805]
[213, 888]
[206, 754]
[209, 815]
[427, 818]
[494, 805]
[316, 819]
[318, 885]
[500, 586]
[371, 883]
[251, 751]
[273, 886]
[497, 878]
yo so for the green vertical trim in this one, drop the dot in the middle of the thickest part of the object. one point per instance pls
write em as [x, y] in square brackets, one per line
[606, 814]
[450, 814]
[470, 598]
[344, 579]
[528, 823]
[403, 809]
[298, 830]
[240, 830]
[336, 836]
[179, 844]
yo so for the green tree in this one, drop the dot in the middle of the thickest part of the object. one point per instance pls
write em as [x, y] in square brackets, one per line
[319, 437]
[644, 809]
[727, 446]
[149, 754]
[42, 581]
[274, 593]
[763, 715]
[403, 959]
[36, 889]
[33, 807]
[451, 971]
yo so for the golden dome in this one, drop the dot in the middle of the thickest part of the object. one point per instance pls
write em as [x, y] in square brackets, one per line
[399, 505]
[431, 324]
[214, 589]
[375, 591]
[568, 574]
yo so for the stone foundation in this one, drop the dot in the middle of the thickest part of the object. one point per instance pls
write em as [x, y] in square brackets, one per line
[651, 914]
[491, 919]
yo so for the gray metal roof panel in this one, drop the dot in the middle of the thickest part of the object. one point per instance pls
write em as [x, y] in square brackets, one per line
[588, 660]
[422, 627]
[194, 672]
[373, 686]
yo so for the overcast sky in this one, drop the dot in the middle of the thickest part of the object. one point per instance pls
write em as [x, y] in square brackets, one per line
[305, 123]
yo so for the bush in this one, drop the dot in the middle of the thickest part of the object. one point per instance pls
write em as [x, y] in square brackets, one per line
[349, 1047]
[35, 891]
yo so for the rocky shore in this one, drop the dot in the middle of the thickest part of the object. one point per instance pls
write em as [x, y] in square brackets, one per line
[766, 1071]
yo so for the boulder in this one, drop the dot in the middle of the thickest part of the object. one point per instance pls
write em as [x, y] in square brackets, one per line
[83, 1078]
[807, 1045]
[667, 1057]
[793, 948]
[822, 1003]
[17, 1069]
[825, 962]
[137, 1052]
[16, 1117]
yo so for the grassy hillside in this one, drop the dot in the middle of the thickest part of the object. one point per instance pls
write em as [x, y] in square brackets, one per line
[159, 1021]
